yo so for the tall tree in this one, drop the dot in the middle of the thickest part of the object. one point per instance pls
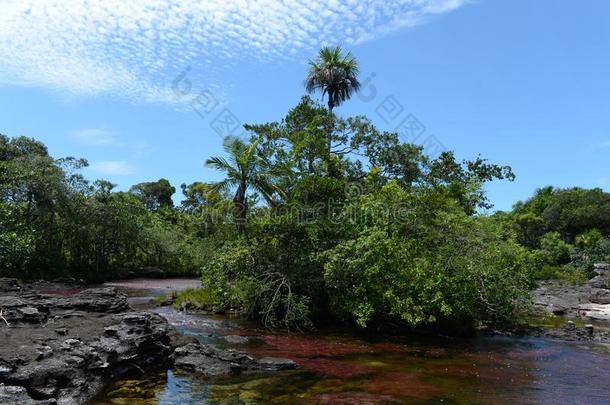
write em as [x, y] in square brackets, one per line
[335, 74]
[244, 168]
[155, 195]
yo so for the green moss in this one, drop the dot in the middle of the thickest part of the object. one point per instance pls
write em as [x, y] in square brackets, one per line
[551, 321]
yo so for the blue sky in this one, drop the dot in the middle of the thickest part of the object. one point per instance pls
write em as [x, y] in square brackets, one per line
[520, 82]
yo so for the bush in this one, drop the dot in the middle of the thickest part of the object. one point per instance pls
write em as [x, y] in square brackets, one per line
[568, 273]
[433, 265]
[243, 276]
[555, 250]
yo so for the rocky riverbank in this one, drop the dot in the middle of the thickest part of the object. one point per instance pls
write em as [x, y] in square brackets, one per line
[580, 312]
[64, 345]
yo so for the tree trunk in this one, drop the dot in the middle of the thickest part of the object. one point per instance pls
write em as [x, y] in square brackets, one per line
[329, 136]
[240, 207]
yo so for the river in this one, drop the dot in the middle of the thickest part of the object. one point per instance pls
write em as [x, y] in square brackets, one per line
[338, 368]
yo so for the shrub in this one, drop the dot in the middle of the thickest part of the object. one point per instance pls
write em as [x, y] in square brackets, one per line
[435, 264]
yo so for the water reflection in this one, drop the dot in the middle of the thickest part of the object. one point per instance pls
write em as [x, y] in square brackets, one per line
[345, 370]
[341, 369]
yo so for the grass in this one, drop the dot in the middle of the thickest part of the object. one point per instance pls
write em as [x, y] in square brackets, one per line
[551, 321]
[198, 299]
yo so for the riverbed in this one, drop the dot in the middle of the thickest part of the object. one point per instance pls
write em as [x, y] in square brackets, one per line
[338, 368]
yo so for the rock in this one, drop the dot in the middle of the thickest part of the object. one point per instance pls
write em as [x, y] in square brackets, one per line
[570, 325]
[39, 362]
[44, 352]
[276, 364]
[558, 310]
[601, 296]
[589, 329]
[598, 312]
[61, 331]
[602, 267]
[12, 395]
[238, 340]
[210, 361]
[599, 282]
[9, 284]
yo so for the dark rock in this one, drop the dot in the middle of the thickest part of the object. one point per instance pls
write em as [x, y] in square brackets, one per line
[210, 361]
[9, 284]
[276, 364]
[600, 296]
[61, 331]
[39, 362]
[12, 395]
[44, 352]
[570, 325]
[589, 329]
[599, 282]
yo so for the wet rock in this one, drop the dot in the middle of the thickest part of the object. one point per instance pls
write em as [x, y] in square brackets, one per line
[12, 395]
[570, 326]
[238, 340]
[276, 364]
[210, 361]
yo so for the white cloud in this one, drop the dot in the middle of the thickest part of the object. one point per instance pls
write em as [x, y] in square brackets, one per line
[95, 137]
[134, 49]
[113, 167]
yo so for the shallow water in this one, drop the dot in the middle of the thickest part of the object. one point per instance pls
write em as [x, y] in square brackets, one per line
[336, 368]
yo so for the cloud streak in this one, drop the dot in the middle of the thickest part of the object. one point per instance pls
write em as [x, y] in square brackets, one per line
[113, 167]
[133, 49]
[95, 137]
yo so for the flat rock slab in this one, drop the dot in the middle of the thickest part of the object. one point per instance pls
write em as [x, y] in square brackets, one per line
[65, 350]
[600, 312]
[209, 361]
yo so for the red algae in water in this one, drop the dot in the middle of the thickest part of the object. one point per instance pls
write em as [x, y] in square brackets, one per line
[350, 398]
[304, 347]
[334, 368]
[402, 385]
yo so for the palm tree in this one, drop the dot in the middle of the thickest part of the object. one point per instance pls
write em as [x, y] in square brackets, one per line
[244, 168]
[336, 75]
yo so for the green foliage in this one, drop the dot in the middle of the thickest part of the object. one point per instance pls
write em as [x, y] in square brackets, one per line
[570, 212]
[202, 299]
[568, 273]
[554, 249]
[335, 74]
[425, 262]
[56, 223]
[589, 239]
[154, 195]
[566, 228]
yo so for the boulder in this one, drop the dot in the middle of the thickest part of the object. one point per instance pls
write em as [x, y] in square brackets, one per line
[601, 296]
[209, 361]
[65, 350]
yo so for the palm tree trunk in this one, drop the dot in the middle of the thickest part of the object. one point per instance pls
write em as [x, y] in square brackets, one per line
[329, 136]
[240, 209]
